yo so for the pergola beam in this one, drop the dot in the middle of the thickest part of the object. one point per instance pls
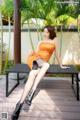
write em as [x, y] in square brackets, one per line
[67, 2]
[17, 32]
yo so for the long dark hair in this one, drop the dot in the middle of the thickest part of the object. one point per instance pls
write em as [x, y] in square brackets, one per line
[52, 32]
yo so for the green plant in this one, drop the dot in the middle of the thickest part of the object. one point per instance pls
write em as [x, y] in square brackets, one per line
[6, 10]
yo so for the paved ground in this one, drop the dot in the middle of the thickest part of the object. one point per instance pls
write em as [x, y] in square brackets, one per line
[54, 101]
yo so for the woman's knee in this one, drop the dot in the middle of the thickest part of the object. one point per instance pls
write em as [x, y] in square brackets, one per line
[46, 65]
[33, 72]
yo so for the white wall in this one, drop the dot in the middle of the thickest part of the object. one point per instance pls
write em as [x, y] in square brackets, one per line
[70, 45]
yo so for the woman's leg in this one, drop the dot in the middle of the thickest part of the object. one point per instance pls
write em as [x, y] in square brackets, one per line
[26, 90]
[39, 76]
[29, 84]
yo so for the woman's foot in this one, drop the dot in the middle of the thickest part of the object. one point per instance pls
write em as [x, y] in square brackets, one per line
[16, 112]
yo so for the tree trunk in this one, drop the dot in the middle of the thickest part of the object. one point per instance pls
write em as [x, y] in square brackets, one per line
[17, 32]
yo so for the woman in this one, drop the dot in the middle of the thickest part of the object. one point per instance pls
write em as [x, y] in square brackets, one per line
[38, 62]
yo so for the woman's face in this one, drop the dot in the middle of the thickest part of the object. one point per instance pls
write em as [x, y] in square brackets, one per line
[46, 33]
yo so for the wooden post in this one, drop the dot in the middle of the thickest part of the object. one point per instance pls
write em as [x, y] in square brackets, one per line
[17, 32]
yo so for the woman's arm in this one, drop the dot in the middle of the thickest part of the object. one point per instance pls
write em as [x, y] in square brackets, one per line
[38, 45]
[31, 52]
[57, 53]
[34, 51]
[58, 57]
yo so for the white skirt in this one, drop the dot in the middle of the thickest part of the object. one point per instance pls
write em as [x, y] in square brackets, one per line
[37, 63]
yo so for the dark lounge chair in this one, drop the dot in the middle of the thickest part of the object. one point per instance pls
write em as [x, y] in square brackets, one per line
[53, 69]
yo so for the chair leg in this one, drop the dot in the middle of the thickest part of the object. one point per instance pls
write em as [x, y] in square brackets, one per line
[7, 84]
[8, 92]
[72, 79]
[77, 85]
[18, 78]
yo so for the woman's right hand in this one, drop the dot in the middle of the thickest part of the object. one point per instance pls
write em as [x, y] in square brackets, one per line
[64, 66]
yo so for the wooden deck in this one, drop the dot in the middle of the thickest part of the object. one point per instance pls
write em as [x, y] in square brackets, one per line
[55, 101]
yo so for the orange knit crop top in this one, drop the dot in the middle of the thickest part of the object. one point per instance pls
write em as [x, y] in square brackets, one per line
[44, 52]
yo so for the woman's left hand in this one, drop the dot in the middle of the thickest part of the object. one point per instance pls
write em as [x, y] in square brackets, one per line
[64, 66]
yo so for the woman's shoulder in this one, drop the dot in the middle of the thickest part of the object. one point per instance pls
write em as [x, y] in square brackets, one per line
[54, 41]
[49, 41]
[40, 41]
